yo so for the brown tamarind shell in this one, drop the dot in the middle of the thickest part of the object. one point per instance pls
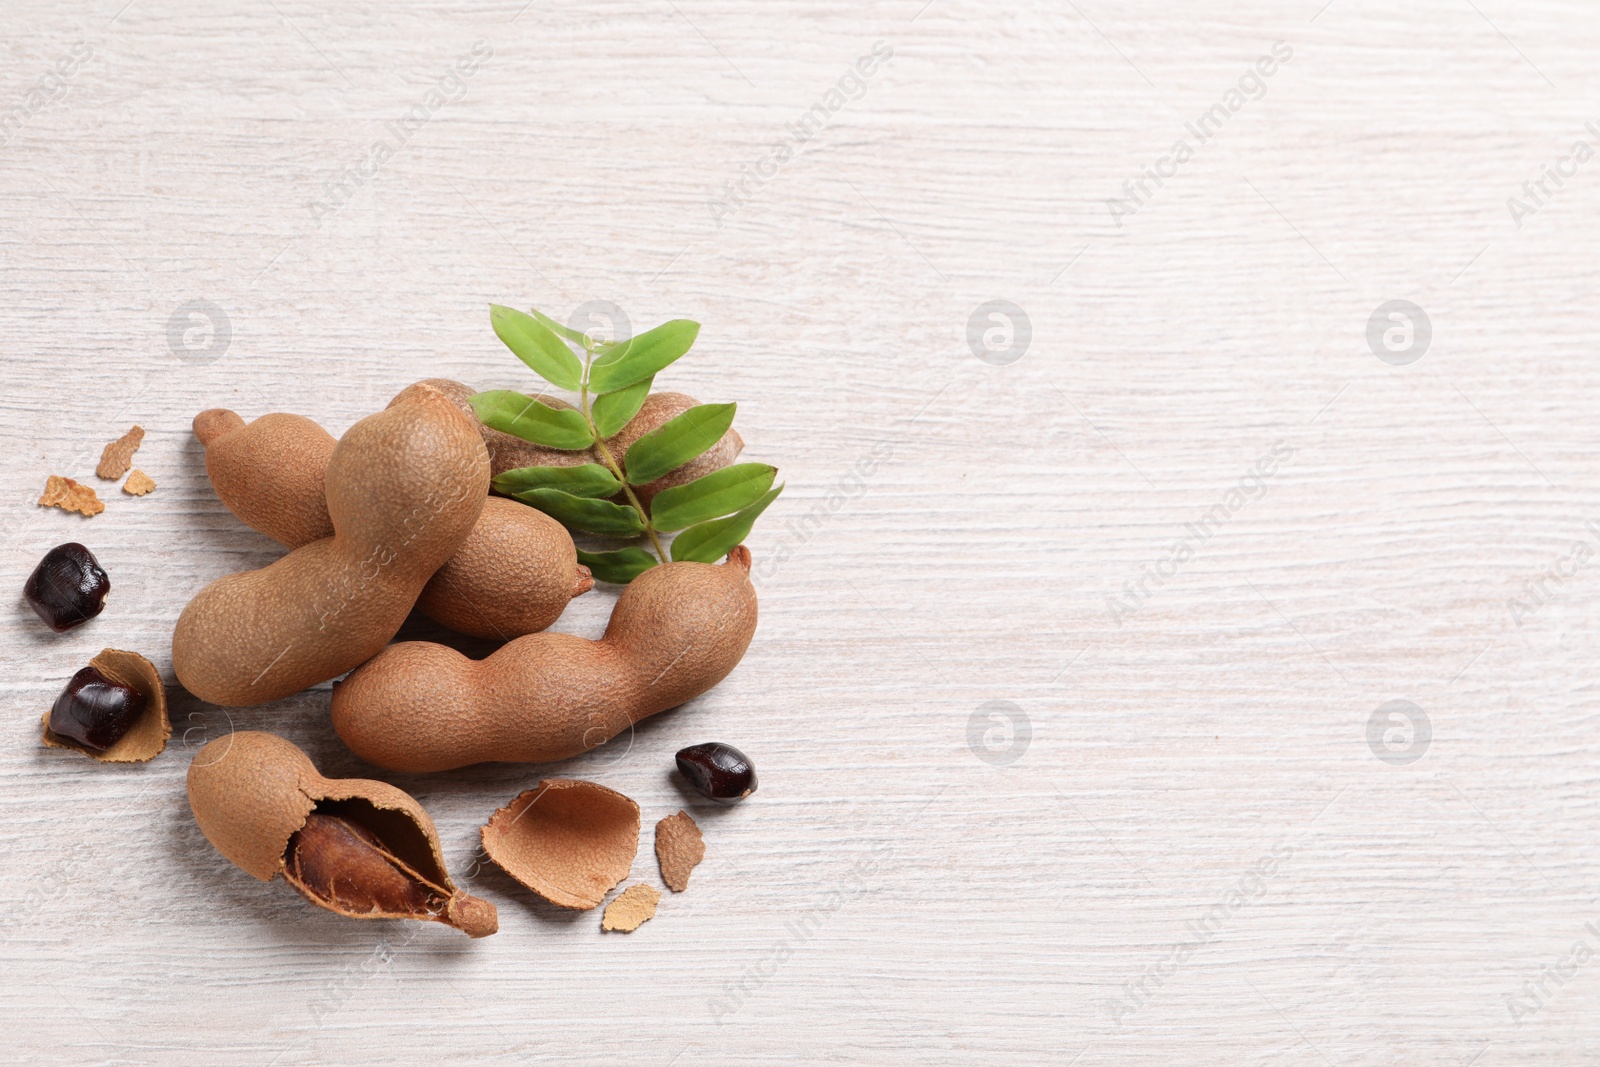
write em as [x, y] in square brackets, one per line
[271, 473]
[513, 575]
[568, 840]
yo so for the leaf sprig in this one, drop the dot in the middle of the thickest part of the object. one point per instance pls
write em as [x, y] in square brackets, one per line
[711, 515]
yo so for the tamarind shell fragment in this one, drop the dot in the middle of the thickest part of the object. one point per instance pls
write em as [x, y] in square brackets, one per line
[569, 841]
[361, 848]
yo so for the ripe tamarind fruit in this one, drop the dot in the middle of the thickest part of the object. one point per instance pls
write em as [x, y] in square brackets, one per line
[513, 575]
[677, 630]
[404, 489]
[508, 453]
[271, 473]
[354, 846]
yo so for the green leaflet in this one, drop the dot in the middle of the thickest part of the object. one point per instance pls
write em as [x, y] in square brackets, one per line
[524, 417]
[613, 410]
[620, 567]
[582, 340]
[534, 344]
[643, 356]
[677, 442]
[710, 541]
[586, 479]
[585, 513]
[718, 493]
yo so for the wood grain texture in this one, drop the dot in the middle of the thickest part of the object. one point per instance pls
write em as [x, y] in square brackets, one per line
[950, 537]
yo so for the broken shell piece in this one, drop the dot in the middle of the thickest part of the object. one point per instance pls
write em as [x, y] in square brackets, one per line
[147, 737]
[360, 848]
[570, 841]
[635, 907]
[679, 847]
[118, 455]
[138, 484]
[68, 495]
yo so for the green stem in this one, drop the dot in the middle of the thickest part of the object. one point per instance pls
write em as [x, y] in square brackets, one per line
[611, 464]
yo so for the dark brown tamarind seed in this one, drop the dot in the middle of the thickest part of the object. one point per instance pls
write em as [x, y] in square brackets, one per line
[68, 588]
[95, 711]
[718, 771]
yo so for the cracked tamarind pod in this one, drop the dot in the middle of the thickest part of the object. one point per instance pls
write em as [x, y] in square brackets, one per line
[360, 848]
[513, 575]
[405, 488]
[676, 631]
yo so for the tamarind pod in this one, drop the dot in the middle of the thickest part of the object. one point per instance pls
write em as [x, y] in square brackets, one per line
[513, 575]
[404, 489]
[271, 473]
[676, 631]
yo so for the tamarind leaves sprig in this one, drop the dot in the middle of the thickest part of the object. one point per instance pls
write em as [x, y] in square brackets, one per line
[710, 515]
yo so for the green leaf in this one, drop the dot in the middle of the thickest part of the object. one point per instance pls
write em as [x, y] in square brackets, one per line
[710, 541]
[524, 417]
[620, 567]
[582, 340]
[535, 345]
[584, 513]
[643, 356]
[718, 493]
[677, 442]
[586, 479]
[612, 411]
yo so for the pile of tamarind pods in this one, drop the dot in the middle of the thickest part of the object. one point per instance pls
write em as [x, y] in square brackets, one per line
[394, 516]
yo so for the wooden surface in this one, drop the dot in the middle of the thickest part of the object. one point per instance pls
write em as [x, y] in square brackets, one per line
[1197, 856]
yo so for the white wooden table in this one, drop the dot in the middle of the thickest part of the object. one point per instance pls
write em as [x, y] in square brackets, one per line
[1171, 841]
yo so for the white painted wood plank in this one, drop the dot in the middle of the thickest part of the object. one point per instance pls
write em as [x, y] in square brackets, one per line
[1199, 762]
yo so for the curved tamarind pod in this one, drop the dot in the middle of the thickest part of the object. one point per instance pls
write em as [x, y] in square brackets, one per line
[677, 630]
[405, 487]
[512, 576]
[508, 453]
